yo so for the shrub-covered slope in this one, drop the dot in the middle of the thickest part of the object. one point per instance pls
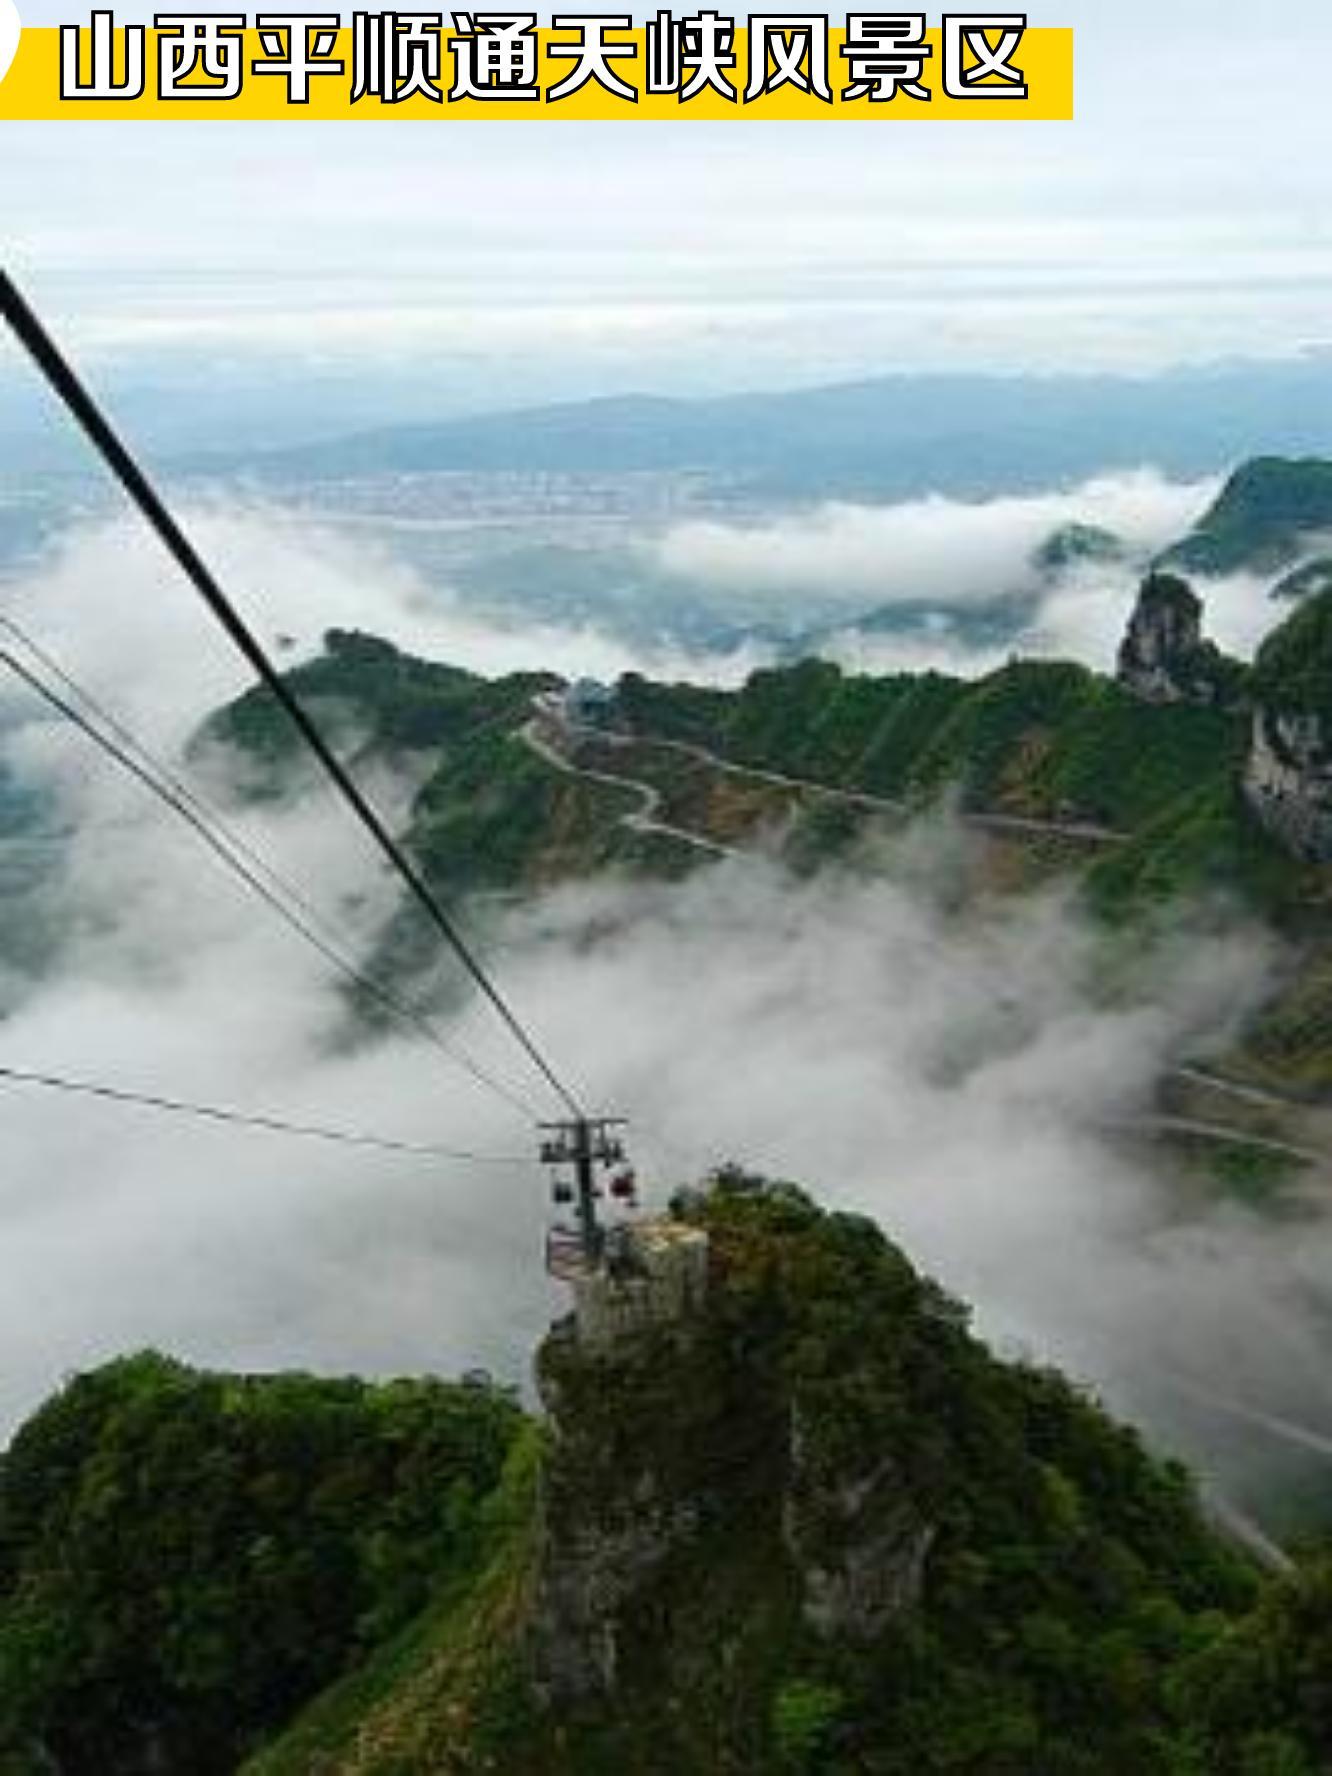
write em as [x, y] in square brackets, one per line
[487, 813]
[1293, 670]
[1041, 740]
[1032, 738]
[373, 696]
[1269, 512]
[1035, 738]
[1038, 741]
[185, 1558]
[813, 1527]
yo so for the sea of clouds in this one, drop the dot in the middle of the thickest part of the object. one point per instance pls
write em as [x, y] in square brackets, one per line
[954, 557]
[956, 1076]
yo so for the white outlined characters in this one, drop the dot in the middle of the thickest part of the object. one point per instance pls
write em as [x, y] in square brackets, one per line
[494, 56]
[886, 54]
[788, 49]
[888, 63]
[691, 55]
[206, 49]
[11, 29]
[298, 46]
[396, 54]
[975, 66]
[592, 54]
[662, 47]
[102, 81]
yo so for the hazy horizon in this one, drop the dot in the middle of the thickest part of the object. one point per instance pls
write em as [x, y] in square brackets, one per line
[501, 267]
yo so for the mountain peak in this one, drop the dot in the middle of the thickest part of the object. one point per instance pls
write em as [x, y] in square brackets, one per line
[1272, 510]
[1164, 657]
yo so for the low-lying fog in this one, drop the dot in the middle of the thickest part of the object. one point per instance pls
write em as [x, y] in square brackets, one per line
[954, 1078]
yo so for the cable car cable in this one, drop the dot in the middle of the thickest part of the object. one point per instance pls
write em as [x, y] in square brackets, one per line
[235, 842]
[273, 1125]
[58, 372]
[168, 793]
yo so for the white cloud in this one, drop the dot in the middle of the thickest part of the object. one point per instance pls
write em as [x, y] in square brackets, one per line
[950, 1077]
[1084, 615]
[950, 556]
[118, 613]
[950, 1073]
[934, 550]
[719, 256]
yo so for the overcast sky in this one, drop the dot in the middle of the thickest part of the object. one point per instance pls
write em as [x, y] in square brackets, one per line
[1182, 216]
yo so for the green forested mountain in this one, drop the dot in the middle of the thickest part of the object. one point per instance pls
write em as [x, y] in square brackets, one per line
[1044, 741]
[1074, 542]
[186, 1558]
[1035, 738]
[1064, 770]
[811, 1525]
[1314, 576]
[371, 694]
[1293, 670]
[1270, 511]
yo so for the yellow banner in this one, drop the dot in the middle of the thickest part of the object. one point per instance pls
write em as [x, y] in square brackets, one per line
[784, 66]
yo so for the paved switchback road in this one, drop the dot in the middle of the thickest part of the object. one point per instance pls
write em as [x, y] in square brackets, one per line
[1085, 832]
[643, 819]
[1314, 1149]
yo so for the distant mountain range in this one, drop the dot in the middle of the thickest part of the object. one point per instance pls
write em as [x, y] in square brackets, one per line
[890, 437]
[1273, 517]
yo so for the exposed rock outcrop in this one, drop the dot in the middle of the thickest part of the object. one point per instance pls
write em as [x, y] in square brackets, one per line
[1164, 657]
[643, 1471]
[857, 1541]
[656, 1274]
[616, 1506]
[680, 1446]
[1288, 776]
[1288, 781]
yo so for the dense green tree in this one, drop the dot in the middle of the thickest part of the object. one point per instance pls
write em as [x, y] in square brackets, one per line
[185, 1557]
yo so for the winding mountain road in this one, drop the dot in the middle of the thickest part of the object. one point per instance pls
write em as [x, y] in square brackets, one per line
[643, 819]
[646, 819]
[1086, 832]
[1308, 1123]
[1083, 831]
[1223, 1134]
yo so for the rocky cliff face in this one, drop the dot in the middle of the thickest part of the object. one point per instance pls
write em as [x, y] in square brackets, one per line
[679, 1449]
[1164, 657]
[857, 1539]
[1288, 777]
[799, 1519]
[1288, 781]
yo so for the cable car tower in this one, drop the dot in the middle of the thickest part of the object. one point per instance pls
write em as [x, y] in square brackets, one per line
[579, 1153]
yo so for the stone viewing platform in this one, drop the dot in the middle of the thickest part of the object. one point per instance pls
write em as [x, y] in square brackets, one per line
[654, 1273]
